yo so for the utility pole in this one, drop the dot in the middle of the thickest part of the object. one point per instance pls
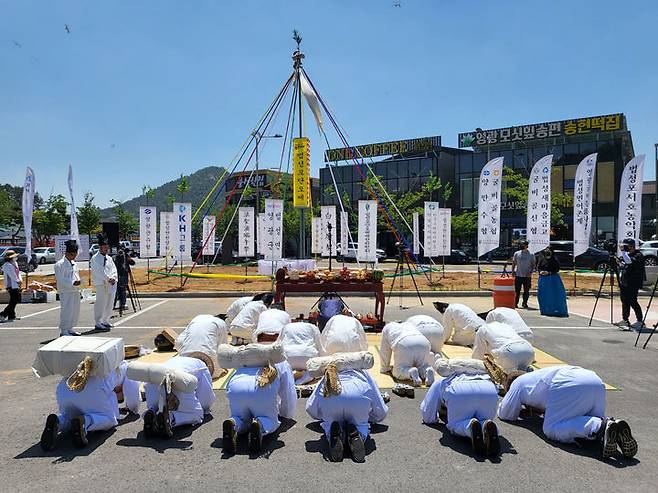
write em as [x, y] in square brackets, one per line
[297, 58]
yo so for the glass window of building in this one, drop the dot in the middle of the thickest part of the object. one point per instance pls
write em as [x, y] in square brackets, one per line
[466, 191]
[605, 183]
[465, 163]
[557, 175]
[605, 227]
[426, 167]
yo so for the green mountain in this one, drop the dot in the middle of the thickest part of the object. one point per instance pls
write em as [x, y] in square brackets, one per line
[200, 182]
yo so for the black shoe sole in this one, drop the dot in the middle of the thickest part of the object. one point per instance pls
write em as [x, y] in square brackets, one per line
[336, 448]
[610, 444]
[356, 444]
[229, 437]
[50, 431]
[255, 437]
[79, 433]
[625, 440]
[491, 439]
[477, 439]
[150, 425]
[164, 424]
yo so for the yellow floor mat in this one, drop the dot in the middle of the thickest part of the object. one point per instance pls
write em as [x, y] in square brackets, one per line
[383, 380]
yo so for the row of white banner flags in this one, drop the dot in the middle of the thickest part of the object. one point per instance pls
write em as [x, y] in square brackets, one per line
[538, 225]
[175, 227]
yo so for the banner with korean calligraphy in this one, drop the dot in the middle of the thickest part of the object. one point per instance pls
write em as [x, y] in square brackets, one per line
[75, 235]
[583, 189]
[344, 232]
[246, 232]
[489, 206]
[28, 208]
[208, 235]
[367, 248]
[431, 226]
[182, 235]
[538, 227]
[301, 176]
[444, 230]
[316, 245]
[273, 229]
[147, 232]
[165, 233]
[328, 228]
[416, 240]
[629, 220]
[60, 247]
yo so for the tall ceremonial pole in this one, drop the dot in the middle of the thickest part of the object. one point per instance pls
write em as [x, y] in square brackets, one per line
[297, 57]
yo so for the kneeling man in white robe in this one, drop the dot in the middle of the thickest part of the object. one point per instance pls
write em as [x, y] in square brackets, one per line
[466, 401]
[301, 341]
[202, 335]
[185, 408]
[261, 389]
[93, 408]
[411, 353]
[245, 322]
[460, 324]
[512, 318]
[572, 401]
[431, 329]
[509, 350]
[346, 401]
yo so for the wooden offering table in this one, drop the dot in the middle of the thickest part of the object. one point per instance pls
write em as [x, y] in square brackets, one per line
[344, 286]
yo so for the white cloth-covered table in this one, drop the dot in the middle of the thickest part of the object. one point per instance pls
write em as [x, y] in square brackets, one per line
[62, 356]
[304, 265]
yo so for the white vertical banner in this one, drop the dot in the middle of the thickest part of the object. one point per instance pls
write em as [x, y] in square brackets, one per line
[182, 235]
[582, 204]
[430, 229]
[261, 233]
[416, 239]
[75, 235]
[83, 250]
[273, 229]
[246, 232]
[208, 237]
[629, 220]
[147, 227]
[367, 248]
[344, 232]
[444, 231]
[165, 234]
[489, 206]
[316, 246]
[538, 216]
[28, 207]
[328, 217]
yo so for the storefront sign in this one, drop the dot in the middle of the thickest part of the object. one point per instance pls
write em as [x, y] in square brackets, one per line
[538, 131]
[422, 144]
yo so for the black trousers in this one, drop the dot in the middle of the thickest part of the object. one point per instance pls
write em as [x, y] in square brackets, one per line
[121, 295]
[628, 301]
[14, 299]
[522, 282]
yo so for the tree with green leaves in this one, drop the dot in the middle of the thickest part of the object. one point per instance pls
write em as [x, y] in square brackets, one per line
[183, 187]
[89, 216]
[51, 220]
[149, 193]
[127, 223]
[171, 198]
[464, 225]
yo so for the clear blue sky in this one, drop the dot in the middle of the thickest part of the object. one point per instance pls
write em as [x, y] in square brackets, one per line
[140, 92]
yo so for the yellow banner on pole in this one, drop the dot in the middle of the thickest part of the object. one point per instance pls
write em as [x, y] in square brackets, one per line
[301, 179]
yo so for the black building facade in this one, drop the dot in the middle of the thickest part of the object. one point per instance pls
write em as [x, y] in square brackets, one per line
[521, 146]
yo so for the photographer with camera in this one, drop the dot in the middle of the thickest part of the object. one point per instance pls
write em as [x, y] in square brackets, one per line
[632, 276]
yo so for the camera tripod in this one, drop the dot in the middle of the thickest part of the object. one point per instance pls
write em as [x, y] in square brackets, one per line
[646, 312]
[403, 258]
[614, 272]
[132, 294]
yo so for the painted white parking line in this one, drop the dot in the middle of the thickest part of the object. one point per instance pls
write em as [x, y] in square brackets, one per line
[565, 327]
[85, 329]
[39, 313]
[124, 320]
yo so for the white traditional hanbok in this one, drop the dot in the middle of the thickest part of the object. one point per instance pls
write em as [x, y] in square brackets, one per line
[102, 271]
[246, 321]
[431, 329]
[412, 358]
[203, 334]
[512, 318]
[509, 350]
[66, 274]
[460, 324]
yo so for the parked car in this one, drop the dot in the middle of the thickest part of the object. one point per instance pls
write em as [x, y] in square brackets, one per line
[24, 264]
[593, 258]
[45, 255]
[501, 253]
[650, 251]
[458, 257]
[93, 249]
[350, 254]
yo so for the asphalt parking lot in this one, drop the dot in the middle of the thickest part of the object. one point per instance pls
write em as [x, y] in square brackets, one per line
[402, 453]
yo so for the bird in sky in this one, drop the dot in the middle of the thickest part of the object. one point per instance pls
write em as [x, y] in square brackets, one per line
[17, 44]
[397, 4]
[67, 29]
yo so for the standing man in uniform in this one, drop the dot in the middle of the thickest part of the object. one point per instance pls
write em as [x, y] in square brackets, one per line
[13, 279]
[68, 287]
[633, 275]
[104, 276]
[523, 265]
